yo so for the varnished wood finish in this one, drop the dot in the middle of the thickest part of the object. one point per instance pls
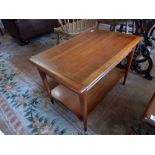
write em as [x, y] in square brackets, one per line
[85, 59]
[95, 95]
[57, 38]
[81, 63]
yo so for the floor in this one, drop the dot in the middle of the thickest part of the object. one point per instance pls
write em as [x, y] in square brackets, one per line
[121, 109]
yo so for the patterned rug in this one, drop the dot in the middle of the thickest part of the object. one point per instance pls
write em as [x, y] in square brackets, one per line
[23, 106]
[1, 133]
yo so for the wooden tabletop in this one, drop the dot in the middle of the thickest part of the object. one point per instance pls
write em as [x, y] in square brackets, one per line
[83, 60]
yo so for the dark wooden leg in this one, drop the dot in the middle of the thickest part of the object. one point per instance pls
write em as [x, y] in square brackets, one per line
[58, 38]
[83, 100]
[1, 31]
[115, 28]
[129, 61]
[46, 84]
[111, 27]
[98, 26]
[24, 42]
[121, 28]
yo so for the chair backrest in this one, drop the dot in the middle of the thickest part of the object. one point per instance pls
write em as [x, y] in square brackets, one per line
[76, 26]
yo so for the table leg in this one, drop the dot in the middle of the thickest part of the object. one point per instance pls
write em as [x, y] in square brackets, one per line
[83, 100]
[129, 61]
[46, 84]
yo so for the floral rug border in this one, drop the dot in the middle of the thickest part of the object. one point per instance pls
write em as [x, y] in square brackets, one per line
[11, 118]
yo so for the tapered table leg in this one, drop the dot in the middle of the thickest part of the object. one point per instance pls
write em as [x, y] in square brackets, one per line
[46, 84]
[83, 100]
[129, 61]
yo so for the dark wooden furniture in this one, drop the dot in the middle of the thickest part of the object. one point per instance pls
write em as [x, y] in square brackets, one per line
[149, 114]
[85, 68]
[1, 31]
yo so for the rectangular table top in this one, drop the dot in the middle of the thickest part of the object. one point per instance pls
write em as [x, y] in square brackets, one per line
[83, 60]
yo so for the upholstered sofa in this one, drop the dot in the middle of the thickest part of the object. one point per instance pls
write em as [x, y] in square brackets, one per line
[26, 29]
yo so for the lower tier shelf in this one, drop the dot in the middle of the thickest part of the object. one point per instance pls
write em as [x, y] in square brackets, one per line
[72, 101]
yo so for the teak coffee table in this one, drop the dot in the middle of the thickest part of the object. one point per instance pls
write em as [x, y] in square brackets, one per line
[85, 68]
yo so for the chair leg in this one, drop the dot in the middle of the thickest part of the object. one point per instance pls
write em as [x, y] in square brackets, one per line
[121, 28]
[57, 38]
[1, 31]
[98, 26]
[24, 42]
[115, 27]
[126, 29]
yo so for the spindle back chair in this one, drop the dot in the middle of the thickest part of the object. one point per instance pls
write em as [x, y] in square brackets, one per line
[74, 27]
